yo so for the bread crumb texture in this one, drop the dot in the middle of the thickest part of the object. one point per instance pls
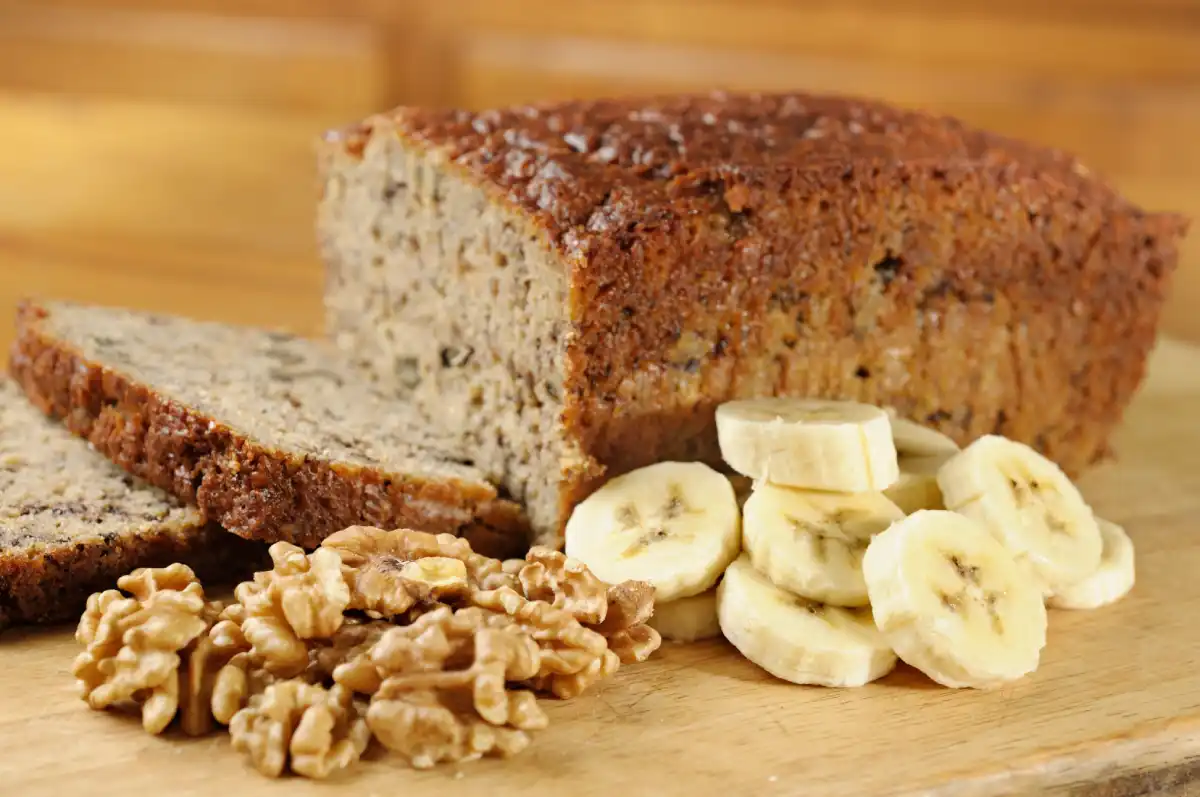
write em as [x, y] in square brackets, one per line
[72, 521]
[54, 490]
[271, 435]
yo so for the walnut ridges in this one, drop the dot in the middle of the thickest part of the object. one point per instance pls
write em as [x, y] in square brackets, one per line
[304, 678]
[574, 287]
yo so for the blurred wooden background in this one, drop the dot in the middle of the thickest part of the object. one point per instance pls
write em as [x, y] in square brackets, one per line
[159, 154]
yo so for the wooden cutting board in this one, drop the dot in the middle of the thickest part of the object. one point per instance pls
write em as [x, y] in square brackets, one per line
[1113, 710]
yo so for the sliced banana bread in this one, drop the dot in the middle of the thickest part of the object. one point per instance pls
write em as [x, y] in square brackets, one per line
[578, 285]
[72, 523]
[269, 434]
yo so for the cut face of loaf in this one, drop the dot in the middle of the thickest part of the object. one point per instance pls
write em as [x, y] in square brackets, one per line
[72, 523]
[271, 435]
[575, 287]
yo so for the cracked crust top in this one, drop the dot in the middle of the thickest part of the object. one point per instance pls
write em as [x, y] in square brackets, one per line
[581, 166]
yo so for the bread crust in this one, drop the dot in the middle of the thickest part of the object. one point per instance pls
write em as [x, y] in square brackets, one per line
[253, 491]
[722, 246]
[51, 584]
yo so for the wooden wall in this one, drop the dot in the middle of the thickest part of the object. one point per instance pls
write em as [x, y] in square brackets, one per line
[158, 153]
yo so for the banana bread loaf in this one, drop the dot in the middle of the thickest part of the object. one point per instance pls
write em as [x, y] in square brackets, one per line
[266, 433]
[72, 523]
[574, 287]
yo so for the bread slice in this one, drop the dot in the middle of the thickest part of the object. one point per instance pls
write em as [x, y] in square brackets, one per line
[579, 284]
[266, 433]
[72, 523]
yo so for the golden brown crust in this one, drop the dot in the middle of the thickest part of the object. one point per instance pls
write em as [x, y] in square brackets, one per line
[51, 584]
[252, 491]
[891, 304]
[725, 246]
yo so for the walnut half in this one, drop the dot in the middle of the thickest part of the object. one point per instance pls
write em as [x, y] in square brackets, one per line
[149, 649]
[391, 571]
[443, 687]
[618, 612]
[564, 583]
[304, 597]
[316, 731]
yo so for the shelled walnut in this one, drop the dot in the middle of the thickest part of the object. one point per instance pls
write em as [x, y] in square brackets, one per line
[150, 649]
[316, 731]
[617, 611]
[389, 572]
[449, 700]
[303, 597]
[563, 583]
[572, 658]
[413, 638]
[629, 604]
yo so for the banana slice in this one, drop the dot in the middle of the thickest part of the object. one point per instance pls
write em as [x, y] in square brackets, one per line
[953, 602]
[812, 543]
[1111, 581]
[687, 619]
[1029, 504]
[796, 639]
[675, 525]
[917, 487]
[809, 443]
[914, 440]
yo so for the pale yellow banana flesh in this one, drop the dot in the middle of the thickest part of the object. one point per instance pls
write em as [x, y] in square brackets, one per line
[1113, 579]
[675, 525]
[914, 440]
[953, 602]
[808, 443]
[795, 639]
[917, 487]
[1027, 503]
[819, 506]
[690, 619]
[812, 543]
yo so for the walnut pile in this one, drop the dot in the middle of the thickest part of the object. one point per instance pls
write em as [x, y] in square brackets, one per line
[408, 638]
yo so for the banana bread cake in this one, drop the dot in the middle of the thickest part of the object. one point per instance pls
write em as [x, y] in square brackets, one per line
[269, 434]
[72, 523]
[574, 287]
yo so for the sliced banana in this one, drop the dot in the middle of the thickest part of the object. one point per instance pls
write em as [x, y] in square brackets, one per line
[917, 487]
[675, 525]
[809, 443]
[688, 619]
[1029, 504]
[1111, 581]
[796, 639]
[953, 602]
[812, 543]
[914, 440]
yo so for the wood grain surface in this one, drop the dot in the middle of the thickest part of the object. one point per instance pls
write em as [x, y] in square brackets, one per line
[1114, 709]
